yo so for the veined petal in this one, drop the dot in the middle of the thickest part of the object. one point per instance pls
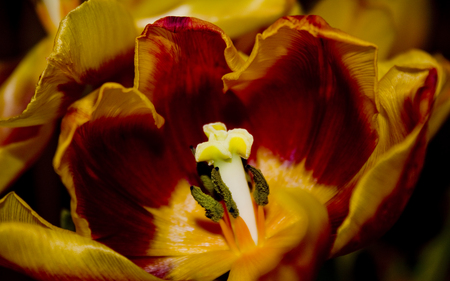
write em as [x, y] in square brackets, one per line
[88, 156]
[180, 63]
[235, 18]
[92, 38]
[309, 94]
[187, 246]
[406, 96]
[188, 45]
[31, 245]
[312, 230]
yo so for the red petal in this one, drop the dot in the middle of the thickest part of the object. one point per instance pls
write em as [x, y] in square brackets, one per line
[180, 67]
[308, 91]
[127, 164]
[107, 157]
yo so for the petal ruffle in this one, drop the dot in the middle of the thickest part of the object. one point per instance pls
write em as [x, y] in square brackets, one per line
[406, 97]
[31, 245]
[105, 151]
[235, 18]
[309, 93]
[180, 63]
[92, 38]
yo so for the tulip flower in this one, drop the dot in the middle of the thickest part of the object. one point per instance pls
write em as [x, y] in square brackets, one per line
[22, 137]
[337, 141]
[334, 143]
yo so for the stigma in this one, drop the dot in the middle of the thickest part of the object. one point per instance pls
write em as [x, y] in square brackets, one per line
[224, 149]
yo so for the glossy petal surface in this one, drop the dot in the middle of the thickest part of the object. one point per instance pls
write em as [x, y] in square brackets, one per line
[309, 92]
[45, 252]
[94, 126]
[89, 41]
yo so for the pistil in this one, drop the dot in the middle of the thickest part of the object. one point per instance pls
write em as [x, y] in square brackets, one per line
[224, 150]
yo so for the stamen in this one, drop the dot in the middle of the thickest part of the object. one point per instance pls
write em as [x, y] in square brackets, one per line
[260, 222]
[261, 192]
[229, 237]
[208, 184]
[222, 189]
[214, 209]
[224, 150]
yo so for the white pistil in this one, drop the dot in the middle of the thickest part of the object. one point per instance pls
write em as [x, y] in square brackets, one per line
[233, 175]
[224, 150]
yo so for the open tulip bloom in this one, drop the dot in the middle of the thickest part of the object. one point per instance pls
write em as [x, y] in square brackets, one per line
[211, 163]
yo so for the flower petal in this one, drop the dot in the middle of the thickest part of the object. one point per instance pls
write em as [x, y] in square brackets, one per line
[21, 149]
[180, 63]
[235, 18]
[309, 93]
[103, 152]
[51, 12]
[406, 96]
[186, 246]
[187, 48]
[297, 240]
[441, 108]
[92, 38]
[33, 246]
[393, 32]
[20, 146]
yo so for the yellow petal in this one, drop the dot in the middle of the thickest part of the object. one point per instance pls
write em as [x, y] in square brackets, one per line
[385, 179]
[296, 242]
[406, 95]
[17, 91]
[441, 108]
[371, 23]
[402, 77]
[235, 18]
[33, 246]
[20, 146]
[92, 37]
[100, 103]
[17, 156]
[385, 23]
[14, 209]
[51, 12]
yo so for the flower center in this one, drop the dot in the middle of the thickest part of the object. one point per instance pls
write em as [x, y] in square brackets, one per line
[228, 187]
